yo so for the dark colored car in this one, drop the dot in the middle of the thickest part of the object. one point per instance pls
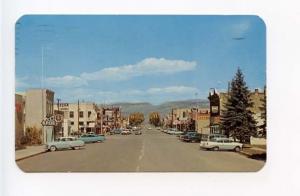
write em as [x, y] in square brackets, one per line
[185, 133]
[192, 137]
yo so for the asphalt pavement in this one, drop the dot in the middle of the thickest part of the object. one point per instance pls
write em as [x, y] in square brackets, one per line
[153, 151]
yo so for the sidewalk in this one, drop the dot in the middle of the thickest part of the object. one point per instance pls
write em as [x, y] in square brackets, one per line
[29, 151]
[254, 152]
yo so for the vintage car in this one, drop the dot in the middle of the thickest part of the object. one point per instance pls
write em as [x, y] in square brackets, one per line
[64, 143]
[89, 138]
[172, 131]
[191, 137]
[138, 132]
[221, 144]
[126, 132]
[180, 136]
[116, 131]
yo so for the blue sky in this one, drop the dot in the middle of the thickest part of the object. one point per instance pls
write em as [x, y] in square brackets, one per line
[153, 59]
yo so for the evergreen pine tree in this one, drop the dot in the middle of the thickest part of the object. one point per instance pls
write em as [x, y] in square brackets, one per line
[263, 108]
[237, 120]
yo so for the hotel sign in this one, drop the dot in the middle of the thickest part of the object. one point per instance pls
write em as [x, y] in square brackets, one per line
[64, 106]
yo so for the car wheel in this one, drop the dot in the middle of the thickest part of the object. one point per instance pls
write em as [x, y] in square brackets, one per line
[216, 148]
[237, 149]
[52, 148]
[76, 148]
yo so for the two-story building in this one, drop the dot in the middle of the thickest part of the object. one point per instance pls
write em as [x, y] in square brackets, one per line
[79, 117]
[38, 106]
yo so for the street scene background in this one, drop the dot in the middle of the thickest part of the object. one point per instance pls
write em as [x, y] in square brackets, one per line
[140, 93]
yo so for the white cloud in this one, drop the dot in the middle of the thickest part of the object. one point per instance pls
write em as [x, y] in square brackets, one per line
[65, 81]
[148, 66]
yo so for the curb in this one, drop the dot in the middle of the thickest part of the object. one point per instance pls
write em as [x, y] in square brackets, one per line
[256, 156]
[245, 153]
[32, 155]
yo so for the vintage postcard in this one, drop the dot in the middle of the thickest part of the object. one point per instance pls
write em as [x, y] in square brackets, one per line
[140, 93]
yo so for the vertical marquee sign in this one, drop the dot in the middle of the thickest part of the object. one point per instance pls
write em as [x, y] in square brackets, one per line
[214, 102]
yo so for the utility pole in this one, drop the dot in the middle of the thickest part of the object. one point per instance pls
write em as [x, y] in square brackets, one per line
[58, 100]
[62, 133]
[196, 116]
[44, 133]
[101, 122]
[78, 116]
[172, 118]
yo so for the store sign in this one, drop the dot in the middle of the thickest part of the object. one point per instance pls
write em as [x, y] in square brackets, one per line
[59, 118]
[64, 106]
[214, 109]
[52, 120]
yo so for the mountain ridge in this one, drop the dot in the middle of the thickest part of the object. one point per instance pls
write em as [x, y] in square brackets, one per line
[163, 108]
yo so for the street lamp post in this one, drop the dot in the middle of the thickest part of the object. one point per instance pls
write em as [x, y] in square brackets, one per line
[196, 116]
[58, 100]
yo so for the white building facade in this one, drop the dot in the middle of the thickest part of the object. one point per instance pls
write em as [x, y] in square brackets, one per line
[39, 105]
[79, 117]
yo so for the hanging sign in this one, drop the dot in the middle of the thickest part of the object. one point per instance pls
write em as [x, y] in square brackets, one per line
[52, 120]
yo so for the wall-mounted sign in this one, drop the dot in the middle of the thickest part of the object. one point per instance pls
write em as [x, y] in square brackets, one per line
[214, 102]
[64, 106]
[214, 109]
[58, 118]
[53, 120]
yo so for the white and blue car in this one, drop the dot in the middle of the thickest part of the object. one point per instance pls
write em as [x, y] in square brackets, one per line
[91, 137]
[65, 143]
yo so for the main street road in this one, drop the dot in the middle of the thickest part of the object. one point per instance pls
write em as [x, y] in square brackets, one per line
[151, 151]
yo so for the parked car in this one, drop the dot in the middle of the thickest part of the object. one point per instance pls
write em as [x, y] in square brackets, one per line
[191, 137]
[138, 132]
[221, 144]
[184, 133]
[89, 138]
[208, 137]
[126, 132]
[149, 128]
[177, 132]
[172, 131]
[64, 143]
[117, 131]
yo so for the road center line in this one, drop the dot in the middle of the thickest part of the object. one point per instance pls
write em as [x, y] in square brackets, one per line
[142, 153]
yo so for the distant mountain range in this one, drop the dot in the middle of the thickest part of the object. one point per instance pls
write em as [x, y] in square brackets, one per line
[163, 108]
